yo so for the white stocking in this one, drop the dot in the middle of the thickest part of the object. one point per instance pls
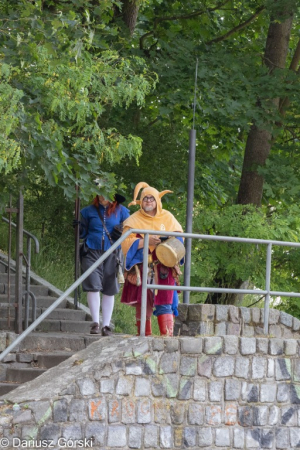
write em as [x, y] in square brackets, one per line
[93, 299]
[107, 309]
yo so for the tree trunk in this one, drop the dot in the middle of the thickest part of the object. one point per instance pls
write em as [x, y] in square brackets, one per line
[259, 140]
[258, 144]
[130, 11]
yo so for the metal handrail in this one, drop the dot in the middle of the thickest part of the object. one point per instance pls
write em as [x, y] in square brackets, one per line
[267, 292]
[27, 259]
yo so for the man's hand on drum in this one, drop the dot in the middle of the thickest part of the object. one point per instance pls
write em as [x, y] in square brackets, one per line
[154, 240]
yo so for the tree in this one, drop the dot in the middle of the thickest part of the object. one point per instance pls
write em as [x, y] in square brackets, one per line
[58, 77]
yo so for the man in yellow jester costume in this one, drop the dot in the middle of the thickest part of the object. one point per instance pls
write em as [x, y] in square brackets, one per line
[150, 216]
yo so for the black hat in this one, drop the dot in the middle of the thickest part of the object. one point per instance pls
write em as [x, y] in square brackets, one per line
[119, 198]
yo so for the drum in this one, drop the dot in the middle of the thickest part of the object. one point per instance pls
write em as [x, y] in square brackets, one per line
[170, 252]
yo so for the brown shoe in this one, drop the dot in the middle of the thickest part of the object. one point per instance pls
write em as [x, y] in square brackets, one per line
[95, 329]
[106, 331]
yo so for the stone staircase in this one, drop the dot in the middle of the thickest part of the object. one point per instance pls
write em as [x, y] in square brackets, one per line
[64, 332]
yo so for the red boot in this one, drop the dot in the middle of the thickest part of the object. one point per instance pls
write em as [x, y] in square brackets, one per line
[148, 330]
[165, 323]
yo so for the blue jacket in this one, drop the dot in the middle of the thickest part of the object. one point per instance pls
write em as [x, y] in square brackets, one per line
[91, 227]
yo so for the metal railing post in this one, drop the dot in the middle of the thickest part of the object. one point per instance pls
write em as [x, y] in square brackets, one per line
[19, 263]
[144, 285]
[268, 284]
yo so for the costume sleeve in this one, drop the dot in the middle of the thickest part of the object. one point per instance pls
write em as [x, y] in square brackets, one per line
[134, 255]
[83, 227]
[125, 213]
[175, 303]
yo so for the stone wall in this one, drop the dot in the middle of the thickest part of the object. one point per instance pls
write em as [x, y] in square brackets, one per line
[222, 320]
[212, 393]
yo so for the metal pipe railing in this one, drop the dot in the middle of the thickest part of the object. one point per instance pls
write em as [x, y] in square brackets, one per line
[145, 285]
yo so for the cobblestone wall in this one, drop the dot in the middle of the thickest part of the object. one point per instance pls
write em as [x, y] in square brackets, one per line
[207, 393]
[221, 320]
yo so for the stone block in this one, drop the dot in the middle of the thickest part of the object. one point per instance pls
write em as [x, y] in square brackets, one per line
[177, 411]
[247, 346]
[60, 410]
[245, 314]
[215, 391]
[194, 313]
[97, 432]
[166, 437]
[183, 309]
[222, 313]
[231, 345]
[195, 414]
[199, 390]
[295, 437]
[230, 414]
[116, 436]
[158, 387]
[171, 381]
[283, 392]
[97, 409]
[86, 386]
[151, 436]
[223, 437]
[232, 389]
[296, 324]
[213, 345]
[238, 438]
[282, 438]
[248, 331]
[141, 349]
[220, 329]
[171, 345]
[150, 365]
[189, 437]
[274, 413]
[71, 432]
[135, 437]
[286, 319]
[262, 345]
[234, 314]
[42, 410]
[223, 366]
[185, 388]
[158, 344]
[255, 313]
[260, 415]
[259, 367]
[144, 411]
[205, 437]
[253, 438]
[208, 312]
[233, 329]
[142, 387]
[128, 411]
[283, 369]
[290, 347]
[107, 386]
[268, 393]
[213, 415]
[169, 363]
[49, 432]
[206, 328]
[205, 366]
[250, 392]
[133, 368]
[188, 366]
[161, 410]
[77, 410]
[22, 416]
[271, 368]
[114, 410]
[276, 346]
[191, 345]
[124, 385]
[245, 416]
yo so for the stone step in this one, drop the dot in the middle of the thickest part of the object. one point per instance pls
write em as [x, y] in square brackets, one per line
[36, 289]
[6, 387]
[42, 301]
[65, 326]
[17, 375]
[57, 314]
[43, 342]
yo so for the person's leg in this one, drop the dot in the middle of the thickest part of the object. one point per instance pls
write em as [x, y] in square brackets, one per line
[166, 324]
[149, 310]
[107, 310]
[93, 299]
